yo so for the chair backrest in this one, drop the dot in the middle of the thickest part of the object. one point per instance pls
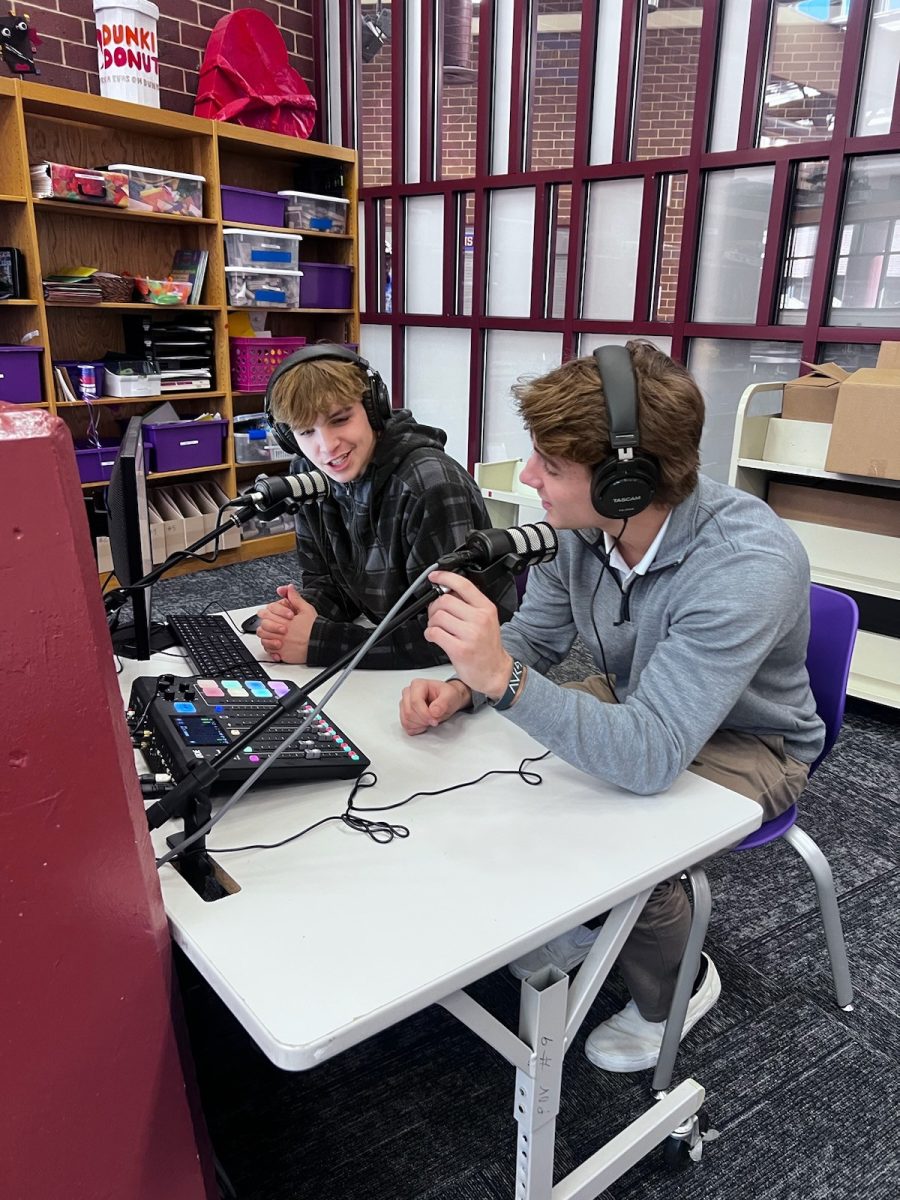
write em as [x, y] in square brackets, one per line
[834, 619]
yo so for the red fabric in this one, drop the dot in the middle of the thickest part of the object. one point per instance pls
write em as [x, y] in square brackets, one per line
[246, 78]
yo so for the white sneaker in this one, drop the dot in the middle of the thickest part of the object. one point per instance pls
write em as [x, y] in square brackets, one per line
[565, 952]
[626, 1042]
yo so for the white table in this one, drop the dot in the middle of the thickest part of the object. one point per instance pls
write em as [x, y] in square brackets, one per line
[489, 872]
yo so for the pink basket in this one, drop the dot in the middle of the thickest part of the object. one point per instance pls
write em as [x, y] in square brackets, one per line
[253, 360]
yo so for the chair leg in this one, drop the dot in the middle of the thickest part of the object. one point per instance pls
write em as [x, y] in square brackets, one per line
[831, 918]
[687, 973]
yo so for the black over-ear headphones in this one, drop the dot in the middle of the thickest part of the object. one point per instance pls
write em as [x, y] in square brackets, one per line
[375, 398]
[625, 483]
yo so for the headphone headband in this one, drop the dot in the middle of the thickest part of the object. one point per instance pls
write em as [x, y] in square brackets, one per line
[625, 483]
[375, 398]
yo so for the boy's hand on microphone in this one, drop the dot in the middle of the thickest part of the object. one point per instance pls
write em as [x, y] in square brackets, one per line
[464, 623]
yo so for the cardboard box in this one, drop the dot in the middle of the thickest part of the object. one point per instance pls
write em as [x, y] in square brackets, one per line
[889, 356]
[798, 443]
[157, 535]
[865, 436]
[813, 397]
[104, 554]
[842, 510]
[208, 498]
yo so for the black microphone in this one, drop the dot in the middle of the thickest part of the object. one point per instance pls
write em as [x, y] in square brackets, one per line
[270, 495]
[528, 544]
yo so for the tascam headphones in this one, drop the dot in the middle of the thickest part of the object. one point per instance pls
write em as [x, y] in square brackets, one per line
[625, 483]
[375, 398]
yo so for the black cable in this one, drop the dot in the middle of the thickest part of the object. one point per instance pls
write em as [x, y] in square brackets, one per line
[383, 832]
[594, 548]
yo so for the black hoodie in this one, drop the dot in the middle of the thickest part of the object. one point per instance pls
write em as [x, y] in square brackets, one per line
[364, 545]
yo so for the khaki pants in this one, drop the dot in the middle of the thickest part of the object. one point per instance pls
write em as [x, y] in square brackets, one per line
[753, 766]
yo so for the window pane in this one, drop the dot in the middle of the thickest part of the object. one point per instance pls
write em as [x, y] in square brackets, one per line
[465, 253]
[458, 114]
[723, 368]
[613, 234]
[849, 355]
[510, 253]
[555, 91]
[437, 383]
[423, 268]
[732, 56]
[664, 107]
[375, 346]
[606, 75]
[510, 356]
[558, 249]
[866, 287]
[413, 97]
[876, 99]
[668, 248]
[502, 90]
[374, 86]
[732, 241]
[806, 45]
[800, 247]
[588, 342]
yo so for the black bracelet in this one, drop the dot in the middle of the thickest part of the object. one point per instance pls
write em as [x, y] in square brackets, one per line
[516, 679]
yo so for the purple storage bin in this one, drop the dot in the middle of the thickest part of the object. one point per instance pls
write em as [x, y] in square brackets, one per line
[251, 207]
[71, 365]
[325, 285]
[96, 464]
[20, 374]
[185, 445]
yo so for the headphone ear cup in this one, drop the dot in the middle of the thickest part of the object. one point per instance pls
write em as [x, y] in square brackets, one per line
[284, 436]
[623, 489]
[377, 403]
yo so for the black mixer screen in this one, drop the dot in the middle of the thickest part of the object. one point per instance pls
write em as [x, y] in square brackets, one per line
[200, 731]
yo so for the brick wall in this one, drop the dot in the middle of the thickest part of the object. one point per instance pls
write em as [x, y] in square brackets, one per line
[67, 55]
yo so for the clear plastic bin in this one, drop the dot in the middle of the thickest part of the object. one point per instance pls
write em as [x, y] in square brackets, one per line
[272, 251]
[151, 190]
[323, 214]
[251, 445]
[255, 287]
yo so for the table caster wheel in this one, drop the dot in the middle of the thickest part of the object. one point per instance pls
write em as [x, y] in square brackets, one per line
[685, 1145]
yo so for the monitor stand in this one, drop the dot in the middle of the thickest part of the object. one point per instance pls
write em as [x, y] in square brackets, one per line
[161, 638]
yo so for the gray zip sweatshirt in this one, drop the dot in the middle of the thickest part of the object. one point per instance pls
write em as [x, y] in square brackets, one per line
[715, 638]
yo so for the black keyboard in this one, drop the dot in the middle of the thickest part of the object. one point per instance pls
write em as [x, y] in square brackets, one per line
[214, 647]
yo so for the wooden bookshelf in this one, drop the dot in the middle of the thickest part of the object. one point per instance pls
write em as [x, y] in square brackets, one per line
[39, 122]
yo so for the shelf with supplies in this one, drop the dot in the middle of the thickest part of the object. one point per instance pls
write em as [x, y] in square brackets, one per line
[120, 236]
[849, 525]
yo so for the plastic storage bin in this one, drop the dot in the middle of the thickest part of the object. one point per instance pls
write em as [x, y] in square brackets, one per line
[150, 190]
[185, 445]
[20, 374]
[251, 445]
[251, 207]
[253, 360]
[95, 463]
[256, 287]
[325, 214]
[251, 248]
[325, 285]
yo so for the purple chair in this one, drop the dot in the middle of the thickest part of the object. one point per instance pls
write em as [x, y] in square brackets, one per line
[834, 618]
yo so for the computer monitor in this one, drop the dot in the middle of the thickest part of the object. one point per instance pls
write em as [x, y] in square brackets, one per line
[129, 537]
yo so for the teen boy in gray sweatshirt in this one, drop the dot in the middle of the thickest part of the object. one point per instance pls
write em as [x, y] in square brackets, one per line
[693, 600]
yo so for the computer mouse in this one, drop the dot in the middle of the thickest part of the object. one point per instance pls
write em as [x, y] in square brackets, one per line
[251, 624]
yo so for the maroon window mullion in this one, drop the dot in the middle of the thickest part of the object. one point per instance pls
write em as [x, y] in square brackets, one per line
[648, 247]
[350, 64]
[483, 132]
[520, 67]
[762, 17]
[398, 94]
[320, 67]
[539, 256]
[476, 363]
[779, 210]
[398, 256]
[451, 253]
[629, 51]
[587, 54]
[374, 250]
[429, 67]
[476, 393]
[705, 87]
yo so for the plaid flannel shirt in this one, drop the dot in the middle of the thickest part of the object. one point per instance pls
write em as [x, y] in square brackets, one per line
[361, 547]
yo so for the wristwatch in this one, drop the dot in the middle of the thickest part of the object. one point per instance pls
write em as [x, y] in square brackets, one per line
[516, 679]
